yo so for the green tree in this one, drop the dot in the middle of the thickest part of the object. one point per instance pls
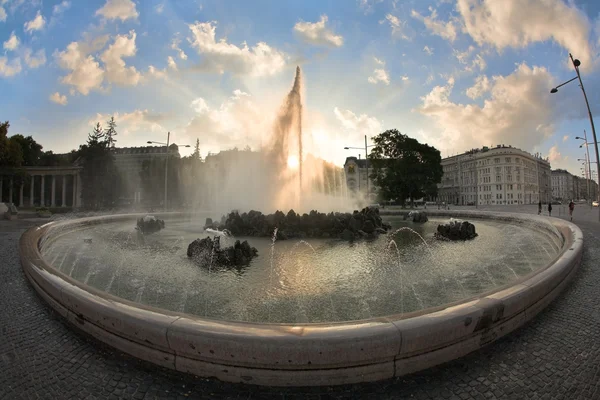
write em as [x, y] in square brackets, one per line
[32, 150]
[403, 168]
[111, 132]
[196, 154]
[100, 177]
[11, 154]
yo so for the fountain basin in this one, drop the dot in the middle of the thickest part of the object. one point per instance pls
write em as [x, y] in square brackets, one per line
[305, 354]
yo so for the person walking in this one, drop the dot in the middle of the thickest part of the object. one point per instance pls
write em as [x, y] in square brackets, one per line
[571, 208]
[540, 208]
[549, 209]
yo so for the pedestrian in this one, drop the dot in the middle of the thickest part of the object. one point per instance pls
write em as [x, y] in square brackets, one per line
[571, 208]
[549, 209]
[540, 208]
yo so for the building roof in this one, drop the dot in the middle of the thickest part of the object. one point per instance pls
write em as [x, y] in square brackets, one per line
[144, 150]
[486, 149]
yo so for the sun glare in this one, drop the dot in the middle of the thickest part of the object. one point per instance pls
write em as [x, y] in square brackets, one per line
[292, 162]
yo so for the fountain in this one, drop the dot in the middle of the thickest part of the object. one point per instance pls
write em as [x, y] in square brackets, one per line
[310, 310]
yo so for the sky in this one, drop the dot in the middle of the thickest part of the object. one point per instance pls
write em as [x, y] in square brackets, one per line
[456, 74]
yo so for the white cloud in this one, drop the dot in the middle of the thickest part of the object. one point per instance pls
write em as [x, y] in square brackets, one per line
[367, 5]
[118, 9]
[517, 23]
[35, 24]
[159, 8]
[171, 63]
[35, 60]
[482, 85]
[471, 64]
[518, 111]
[447, 30]
[157, 73]
[135, 121]
[9, 68]
[463, 56]
[116, 70]
[396, 24]
[557, 159]
[61, 7]
[175, 46]
[86, 73]
[12, 43]
[317, 33]
[428, 50]
[405, 78]
[238, 121]
[362, 124]
[378, 61]
[379, 75]
[59, 98]
[2, 14]
[220, 56]
[565, 138]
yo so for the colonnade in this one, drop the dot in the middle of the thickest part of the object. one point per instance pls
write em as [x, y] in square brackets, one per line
[43, 201]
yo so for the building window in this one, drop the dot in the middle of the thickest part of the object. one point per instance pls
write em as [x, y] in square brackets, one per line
[508, 160]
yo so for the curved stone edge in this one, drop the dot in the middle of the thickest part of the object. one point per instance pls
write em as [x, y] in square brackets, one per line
[302, 355]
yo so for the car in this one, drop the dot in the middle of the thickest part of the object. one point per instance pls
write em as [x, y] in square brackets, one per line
[595, 203]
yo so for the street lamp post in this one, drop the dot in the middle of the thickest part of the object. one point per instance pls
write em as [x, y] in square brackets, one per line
[587, 176]
[587, 151]
[366, 163]
[166, 162]
[576, 64]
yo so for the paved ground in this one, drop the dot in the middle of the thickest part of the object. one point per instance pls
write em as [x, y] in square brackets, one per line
[556, 356]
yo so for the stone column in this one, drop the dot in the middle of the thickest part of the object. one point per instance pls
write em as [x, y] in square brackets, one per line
[10, 193]
[78, 196]
[42, 204]
[1, 188]
[31, 191]
[64, 192]
[53, 195]
[21, 195]
[74, 190]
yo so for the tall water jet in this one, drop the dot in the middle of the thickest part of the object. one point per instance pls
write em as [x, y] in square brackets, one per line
[287, 124]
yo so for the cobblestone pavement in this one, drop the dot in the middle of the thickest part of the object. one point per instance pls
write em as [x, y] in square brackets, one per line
[555, 356]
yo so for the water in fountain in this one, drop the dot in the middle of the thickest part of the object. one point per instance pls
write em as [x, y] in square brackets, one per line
[346, 281]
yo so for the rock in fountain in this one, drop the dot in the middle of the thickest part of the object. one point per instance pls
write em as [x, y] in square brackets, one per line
[417, 216]
[456, 230]
[364, 223]
[206, 251]
[149, 224]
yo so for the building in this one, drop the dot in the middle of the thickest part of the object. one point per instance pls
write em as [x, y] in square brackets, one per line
[355, 170]
[129, 160]
[497, 175]
[563, 185]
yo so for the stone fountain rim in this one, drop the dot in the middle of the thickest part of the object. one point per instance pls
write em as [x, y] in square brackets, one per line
[396, 344]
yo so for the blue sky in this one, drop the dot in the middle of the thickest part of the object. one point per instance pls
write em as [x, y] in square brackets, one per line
[454, 73]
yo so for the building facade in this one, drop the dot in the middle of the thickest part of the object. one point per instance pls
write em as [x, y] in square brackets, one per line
[567, 187]
[129, 160]
[357, 178]
[500, 175]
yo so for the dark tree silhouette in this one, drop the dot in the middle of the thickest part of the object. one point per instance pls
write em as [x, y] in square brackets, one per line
[111, 132]
[403, 168]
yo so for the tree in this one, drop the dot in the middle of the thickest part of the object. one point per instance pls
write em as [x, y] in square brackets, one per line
[403, 168]
[196, 154]
[111, 132]
[100, 177]
[97, 134]
[32, 150]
